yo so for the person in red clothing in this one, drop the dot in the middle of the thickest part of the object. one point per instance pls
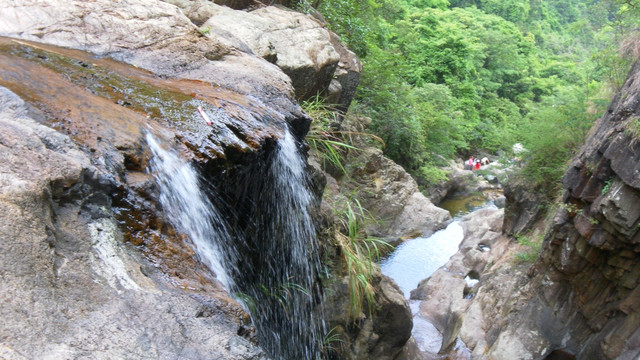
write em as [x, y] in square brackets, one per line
[478, 164]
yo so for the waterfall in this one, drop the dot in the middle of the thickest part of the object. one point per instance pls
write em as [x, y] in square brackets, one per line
[276, 275]
[190, 211]
[296, 249]
[281, 237]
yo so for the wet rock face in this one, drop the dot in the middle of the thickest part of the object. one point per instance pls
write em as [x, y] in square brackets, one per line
[151, 35]
[70, 287]
[80, 196]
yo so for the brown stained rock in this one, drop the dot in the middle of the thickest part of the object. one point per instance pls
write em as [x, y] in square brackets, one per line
[104, 106]
[584, 225]
[151, 35]
[101, 101]
[70, 287]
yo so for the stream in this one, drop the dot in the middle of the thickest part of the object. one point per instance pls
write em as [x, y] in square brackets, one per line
[418, 258]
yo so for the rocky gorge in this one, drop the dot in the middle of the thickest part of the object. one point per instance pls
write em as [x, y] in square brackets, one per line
[578, 298]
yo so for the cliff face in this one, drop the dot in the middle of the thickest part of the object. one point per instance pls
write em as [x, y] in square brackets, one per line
[581, 298]
[590, 264]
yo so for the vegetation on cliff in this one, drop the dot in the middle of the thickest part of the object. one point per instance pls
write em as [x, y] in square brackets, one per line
[455, 77]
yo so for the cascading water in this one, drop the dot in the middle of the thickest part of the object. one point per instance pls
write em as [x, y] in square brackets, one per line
[277, 273]
[190, 211]
[287, 266]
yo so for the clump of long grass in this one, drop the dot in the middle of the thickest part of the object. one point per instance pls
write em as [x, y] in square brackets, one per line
[327, 141]
[359, 252]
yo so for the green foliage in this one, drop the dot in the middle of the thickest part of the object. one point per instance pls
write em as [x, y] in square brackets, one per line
[632, 128]
[552, 133]
[533, 248]
[331, 340]
[329, 144]
[358, 253]
[432, 175]
[607, 186]
[449, 77]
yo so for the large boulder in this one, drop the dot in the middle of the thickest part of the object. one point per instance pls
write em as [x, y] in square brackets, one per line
[379, 334]
[459, 181]
[71, 287]
[391, 196]
[299, 44]
[389, 193]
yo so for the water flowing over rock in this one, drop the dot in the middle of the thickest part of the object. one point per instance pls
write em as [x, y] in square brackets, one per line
[103, 215]
[70, 287]
[190, 211]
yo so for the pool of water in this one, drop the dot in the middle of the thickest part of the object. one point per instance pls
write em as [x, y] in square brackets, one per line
[461, 205]
[415, 260]
[419, 258]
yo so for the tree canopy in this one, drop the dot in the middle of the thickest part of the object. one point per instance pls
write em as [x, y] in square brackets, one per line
[451, 77]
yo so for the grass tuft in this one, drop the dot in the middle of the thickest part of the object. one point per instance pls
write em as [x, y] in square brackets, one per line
[359, 252]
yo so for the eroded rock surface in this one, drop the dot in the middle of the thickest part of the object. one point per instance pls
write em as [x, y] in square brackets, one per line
[70, 287]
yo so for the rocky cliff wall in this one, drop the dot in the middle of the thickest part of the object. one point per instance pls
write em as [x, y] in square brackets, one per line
[581, 297]
[590, 264]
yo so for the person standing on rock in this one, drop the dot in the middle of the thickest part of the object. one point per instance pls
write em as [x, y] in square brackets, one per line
[470, 163]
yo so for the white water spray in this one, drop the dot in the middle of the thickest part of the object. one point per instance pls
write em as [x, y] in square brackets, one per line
[189, 209]
[274, 233]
